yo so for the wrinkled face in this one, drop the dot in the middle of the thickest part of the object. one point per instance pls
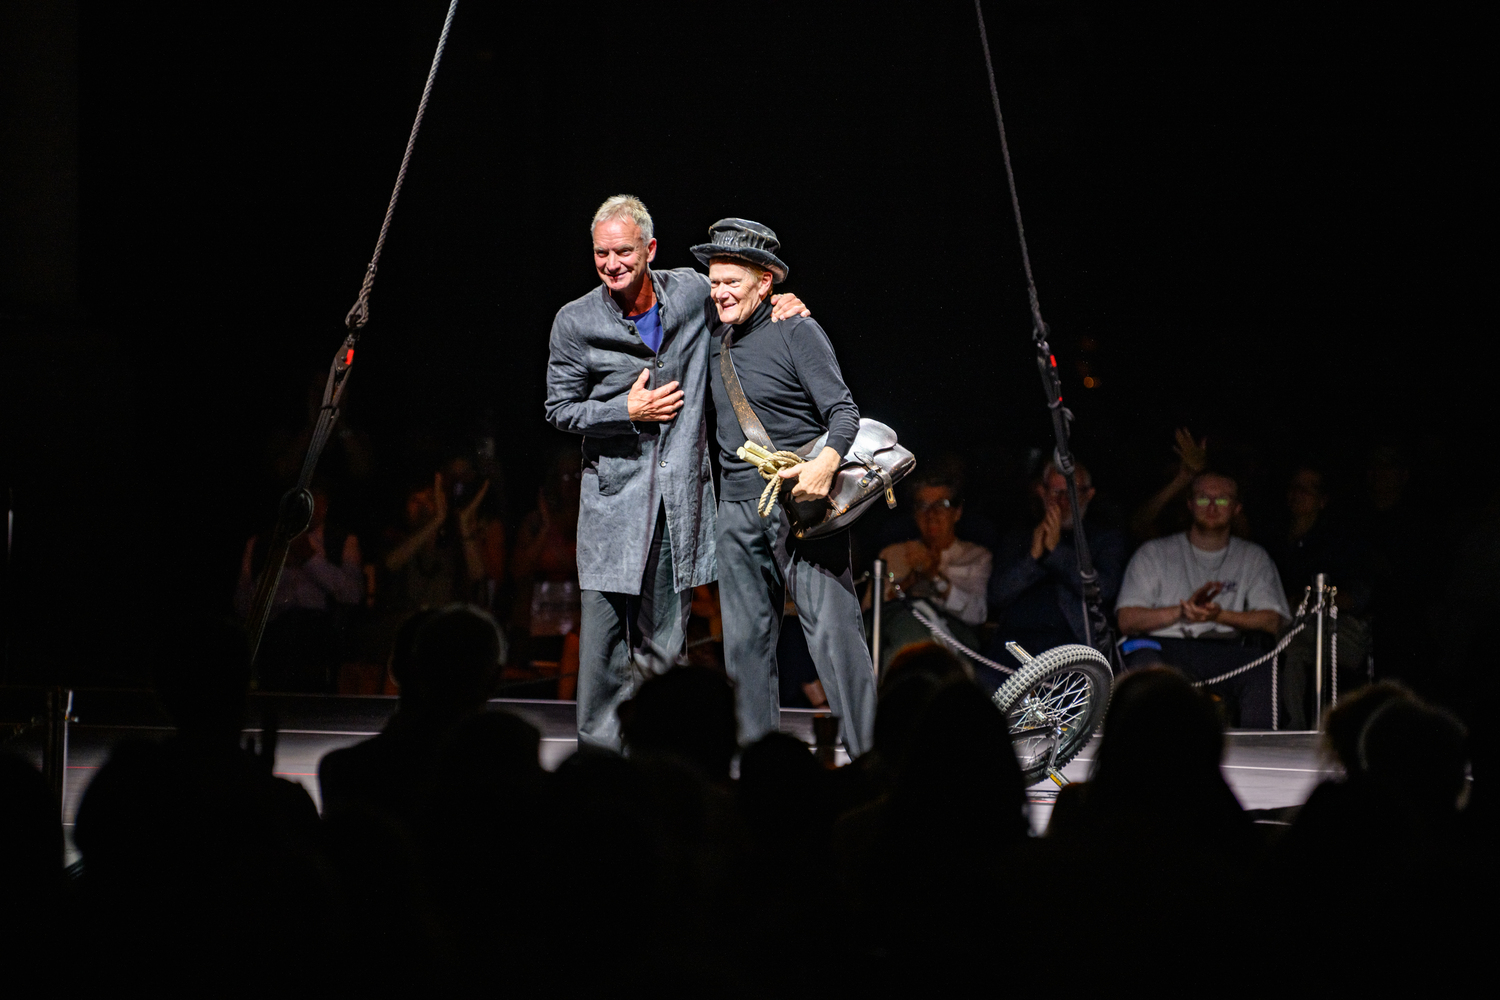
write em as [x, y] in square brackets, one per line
[736, 289]
[1214, 502]
[621, 255]
[1054, 492]
[936, 515]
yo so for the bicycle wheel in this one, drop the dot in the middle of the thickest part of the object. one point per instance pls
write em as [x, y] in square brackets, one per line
[1053, 704]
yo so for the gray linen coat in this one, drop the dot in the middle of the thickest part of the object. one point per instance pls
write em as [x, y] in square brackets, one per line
[630, 469]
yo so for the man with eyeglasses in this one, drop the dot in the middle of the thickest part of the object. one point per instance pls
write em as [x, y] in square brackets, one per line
[940, 570]
[1191, 600]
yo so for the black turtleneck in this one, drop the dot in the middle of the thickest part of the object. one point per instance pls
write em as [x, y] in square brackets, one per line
[792, 381]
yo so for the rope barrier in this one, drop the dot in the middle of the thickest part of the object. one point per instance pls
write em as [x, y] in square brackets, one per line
[1255, 662]
[943, 636]
[1333, 646]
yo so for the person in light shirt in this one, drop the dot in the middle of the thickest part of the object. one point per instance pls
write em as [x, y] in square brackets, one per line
[1190, 600]
[938, 569]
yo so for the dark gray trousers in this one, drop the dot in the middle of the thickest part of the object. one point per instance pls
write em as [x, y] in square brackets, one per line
[760, 566]
[625, 638]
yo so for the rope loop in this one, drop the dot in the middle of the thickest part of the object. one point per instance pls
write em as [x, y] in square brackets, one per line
[770, 463]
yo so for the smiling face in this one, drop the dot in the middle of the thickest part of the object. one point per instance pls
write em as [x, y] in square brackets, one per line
[621, 256]
[736, 289]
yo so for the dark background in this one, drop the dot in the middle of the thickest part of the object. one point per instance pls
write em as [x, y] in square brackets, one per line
[1262, 221]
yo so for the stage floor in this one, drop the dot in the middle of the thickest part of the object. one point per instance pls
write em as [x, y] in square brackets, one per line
[1266, 770]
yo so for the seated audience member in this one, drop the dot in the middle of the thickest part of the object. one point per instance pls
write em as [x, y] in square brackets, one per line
[900, 525]
[453, 664]
[434, 560]
[31, 869]
[466, 479]
[544, 569]
[1155, 839]
[934, 860]
[324, 572]
[193, 851]
[1309, 546]
[1382, 844]
[1035, 591]
[686, 713]
[1190, 600]
[939, 573]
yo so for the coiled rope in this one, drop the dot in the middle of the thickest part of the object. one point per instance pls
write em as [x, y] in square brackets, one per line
[770, 463]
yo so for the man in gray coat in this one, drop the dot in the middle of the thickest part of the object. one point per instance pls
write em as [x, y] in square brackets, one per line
[628, 370]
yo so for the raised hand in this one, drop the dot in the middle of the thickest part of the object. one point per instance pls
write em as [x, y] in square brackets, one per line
[439, 500]
[1048, 532]
[1194, 454]
[468, 515]
[653, 405]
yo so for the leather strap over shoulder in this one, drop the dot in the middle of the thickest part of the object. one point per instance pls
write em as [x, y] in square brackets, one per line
[749, 423]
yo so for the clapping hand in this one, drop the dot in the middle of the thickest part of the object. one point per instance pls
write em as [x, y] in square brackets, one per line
[468, 515]
[1201, 607]
[1048, 532]
[439, 500]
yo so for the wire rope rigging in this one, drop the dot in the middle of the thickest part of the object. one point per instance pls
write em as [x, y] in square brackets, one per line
[296, 508]
[1097, 632]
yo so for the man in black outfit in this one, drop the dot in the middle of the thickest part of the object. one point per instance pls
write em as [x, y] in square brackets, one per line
[791, 380]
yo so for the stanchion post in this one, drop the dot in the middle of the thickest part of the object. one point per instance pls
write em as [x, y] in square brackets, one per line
[877, 599]
[55, 751]
[1320, 592]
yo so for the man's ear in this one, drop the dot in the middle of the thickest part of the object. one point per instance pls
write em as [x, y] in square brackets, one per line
[651, 250]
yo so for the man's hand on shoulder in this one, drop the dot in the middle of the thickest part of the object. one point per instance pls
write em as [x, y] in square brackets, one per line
[785, 306]
[814, 478]
[653, 405]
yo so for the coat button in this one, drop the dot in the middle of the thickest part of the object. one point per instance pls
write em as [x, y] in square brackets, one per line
[664, 463]
[660, 362]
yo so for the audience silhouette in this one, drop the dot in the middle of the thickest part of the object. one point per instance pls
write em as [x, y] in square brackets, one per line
[447, 858]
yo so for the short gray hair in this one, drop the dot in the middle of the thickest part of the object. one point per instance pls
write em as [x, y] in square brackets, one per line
[625, 206]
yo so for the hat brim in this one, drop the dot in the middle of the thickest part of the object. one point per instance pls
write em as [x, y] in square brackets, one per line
[706, 252]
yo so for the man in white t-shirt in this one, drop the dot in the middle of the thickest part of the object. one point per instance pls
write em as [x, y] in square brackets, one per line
[1190, 599]
[945, 573]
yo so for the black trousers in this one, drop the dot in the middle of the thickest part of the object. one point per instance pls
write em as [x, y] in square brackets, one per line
[760, 567]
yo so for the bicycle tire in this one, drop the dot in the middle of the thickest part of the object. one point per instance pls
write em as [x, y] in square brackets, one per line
[1069, 689]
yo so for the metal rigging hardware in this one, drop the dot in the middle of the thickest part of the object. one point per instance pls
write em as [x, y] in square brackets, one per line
[296, 509]
[1096, 626]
